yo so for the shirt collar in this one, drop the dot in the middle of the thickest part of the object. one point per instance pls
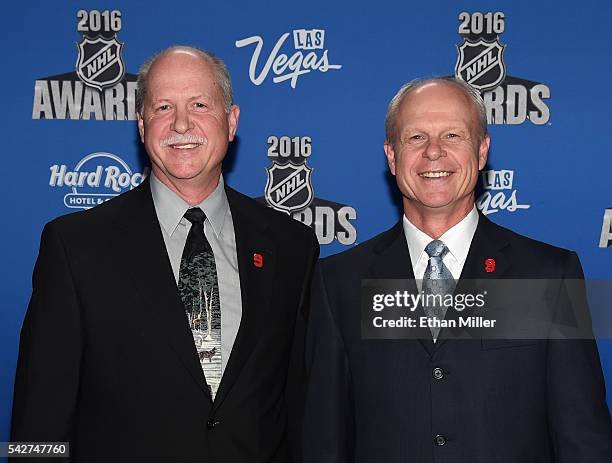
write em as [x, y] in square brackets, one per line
[457, 239]
[170, 207]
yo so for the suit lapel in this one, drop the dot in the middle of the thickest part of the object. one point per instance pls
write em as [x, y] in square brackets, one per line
[392, 261]
[255, 285]
[488, 243]
[138, 235]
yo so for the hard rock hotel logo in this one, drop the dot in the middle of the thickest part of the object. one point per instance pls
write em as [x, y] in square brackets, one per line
[95, 179]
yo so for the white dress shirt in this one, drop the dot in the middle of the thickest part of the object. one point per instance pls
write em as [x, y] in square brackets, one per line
[219, 231]
[457, 239]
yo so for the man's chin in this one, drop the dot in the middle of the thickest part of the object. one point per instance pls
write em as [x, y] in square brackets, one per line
[439, 204]
[179, 174]
[439, 201]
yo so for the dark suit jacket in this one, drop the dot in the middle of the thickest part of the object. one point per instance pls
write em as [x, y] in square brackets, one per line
[510, 401]
[107, 360]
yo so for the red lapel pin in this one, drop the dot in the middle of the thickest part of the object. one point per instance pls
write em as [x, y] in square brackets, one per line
[489, 265]
[258, 260]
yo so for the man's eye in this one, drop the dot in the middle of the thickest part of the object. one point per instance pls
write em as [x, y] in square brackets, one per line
[200, 105]
[413, 139]
[452, 135]
[164, 107]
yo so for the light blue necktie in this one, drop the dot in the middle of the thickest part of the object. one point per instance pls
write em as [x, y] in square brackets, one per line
[437, 280]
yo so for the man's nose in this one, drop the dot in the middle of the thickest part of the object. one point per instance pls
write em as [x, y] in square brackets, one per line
[434, 150]
[182, 121]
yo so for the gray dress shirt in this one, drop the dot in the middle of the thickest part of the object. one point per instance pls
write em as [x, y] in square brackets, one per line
[219, 230]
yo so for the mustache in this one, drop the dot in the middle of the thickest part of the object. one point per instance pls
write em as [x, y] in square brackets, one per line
[180, 138]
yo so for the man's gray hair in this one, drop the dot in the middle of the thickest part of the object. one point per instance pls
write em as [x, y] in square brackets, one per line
[221, 73]
[471, 93]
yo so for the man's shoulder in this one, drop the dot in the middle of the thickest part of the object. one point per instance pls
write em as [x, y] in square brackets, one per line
[363, 253]
[98, 218]
[525, 245]
[531, 257]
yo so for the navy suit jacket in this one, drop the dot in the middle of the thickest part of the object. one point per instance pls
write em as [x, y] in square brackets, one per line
[510, 401]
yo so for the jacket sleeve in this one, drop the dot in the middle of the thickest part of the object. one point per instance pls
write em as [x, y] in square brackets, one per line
[328, 417]
[578, 414]
[47, 376]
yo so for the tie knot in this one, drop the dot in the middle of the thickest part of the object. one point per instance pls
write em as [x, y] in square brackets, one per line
[195, 215]
[436, 249]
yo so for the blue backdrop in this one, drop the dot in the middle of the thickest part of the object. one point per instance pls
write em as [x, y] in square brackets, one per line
[313, 81]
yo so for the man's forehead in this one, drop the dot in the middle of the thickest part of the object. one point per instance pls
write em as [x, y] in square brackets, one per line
[436, 114]
[438, 98]
[195, 76]
[446, 124]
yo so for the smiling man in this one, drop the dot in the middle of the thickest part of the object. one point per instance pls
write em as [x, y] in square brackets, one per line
[164, 324]
[437, 142]
[432, 397]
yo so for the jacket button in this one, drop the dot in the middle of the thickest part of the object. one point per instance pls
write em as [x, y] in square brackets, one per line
[211, 423]
[440, 440]
[438, 373]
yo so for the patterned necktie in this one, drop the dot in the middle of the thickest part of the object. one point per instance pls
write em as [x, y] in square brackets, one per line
[199, 290]
[437, 280]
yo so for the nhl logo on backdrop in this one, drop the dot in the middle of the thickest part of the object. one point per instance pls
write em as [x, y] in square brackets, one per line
[98, 86]
[289, 189]
[289, 186]
[481, 64]
[100, 62]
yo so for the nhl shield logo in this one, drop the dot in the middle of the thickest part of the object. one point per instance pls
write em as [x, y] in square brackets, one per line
[289, 187]
[100, 62]
[481, 64]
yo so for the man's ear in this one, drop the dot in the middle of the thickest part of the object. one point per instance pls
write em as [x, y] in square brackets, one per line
[232, 121]
[483, 151]
[141, 129]
[390, 152]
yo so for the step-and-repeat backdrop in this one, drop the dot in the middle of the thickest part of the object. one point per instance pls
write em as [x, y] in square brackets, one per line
[313, 80]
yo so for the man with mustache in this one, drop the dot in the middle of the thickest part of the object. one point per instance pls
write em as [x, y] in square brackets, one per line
[164, 325]
[435, 397]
